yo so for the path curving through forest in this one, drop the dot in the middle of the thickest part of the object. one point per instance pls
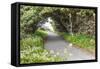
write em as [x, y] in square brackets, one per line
[57, 44]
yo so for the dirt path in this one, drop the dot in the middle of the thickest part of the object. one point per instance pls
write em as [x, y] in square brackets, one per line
[61, 47]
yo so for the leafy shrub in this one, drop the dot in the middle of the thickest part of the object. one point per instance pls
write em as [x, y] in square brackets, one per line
[31, 42]
[41, 33]
[32, 50]
[38, 55]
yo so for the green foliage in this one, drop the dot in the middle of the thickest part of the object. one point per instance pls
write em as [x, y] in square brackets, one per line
[29, 17]
[38, 55]
[41, 33]
[32, 15]
[82, 41]
[31, 42]
[32, 49]
[32, 37]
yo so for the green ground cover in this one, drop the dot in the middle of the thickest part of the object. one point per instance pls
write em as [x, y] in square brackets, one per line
[83, 41]
[32, 49]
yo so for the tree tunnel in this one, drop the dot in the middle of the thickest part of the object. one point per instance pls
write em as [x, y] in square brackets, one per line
[62, 23]
[56, 33]
[70, 20]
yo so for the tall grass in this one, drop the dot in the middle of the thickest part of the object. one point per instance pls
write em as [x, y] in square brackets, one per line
[34, 41]
[83, 41]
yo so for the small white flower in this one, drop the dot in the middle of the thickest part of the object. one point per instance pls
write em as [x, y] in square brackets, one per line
[58, 53]
[51, 51]
[55, 55]
[70, 44]
[70, 54]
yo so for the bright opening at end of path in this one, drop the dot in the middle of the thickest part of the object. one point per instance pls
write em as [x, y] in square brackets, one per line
[48, 25]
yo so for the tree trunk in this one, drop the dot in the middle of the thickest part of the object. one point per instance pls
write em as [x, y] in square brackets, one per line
[70, 28]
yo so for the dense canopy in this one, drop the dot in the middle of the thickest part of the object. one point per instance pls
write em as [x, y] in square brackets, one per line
[71, 20]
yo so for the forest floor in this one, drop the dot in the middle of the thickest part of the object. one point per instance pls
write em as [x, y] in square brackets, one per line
[56, 43]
